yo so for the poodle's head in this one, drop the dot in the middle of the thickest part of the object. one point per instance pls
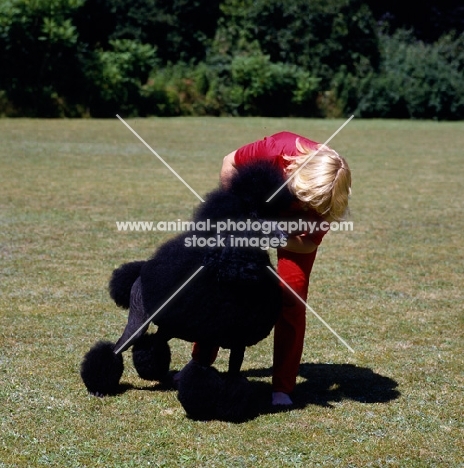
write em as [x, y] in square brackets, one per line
[257, 191]
[261, 188]
[242, 221]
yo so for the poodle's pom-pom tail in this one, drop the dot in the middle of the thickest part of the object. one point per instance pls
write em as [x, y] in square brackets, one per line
[151, 356]
[198, 390]
[121, 282]
[233, 404]
[101, 369]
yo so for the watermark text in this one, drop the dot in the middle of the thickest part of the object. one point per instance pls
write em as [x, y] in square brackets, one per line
[291, 227]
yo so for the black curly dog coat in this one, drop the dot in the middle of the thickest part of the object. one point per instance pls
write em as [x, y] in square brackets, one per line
[232, 302]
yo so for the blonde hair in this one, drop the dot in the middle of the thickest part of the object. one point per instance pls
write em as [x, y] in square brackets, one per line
[321, 179]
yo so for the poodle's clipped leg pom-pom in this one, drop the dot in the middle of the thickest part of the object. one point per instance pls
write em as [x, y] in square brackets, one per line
[199, 388]
[101, 369]
[234, 402]
[152, 357]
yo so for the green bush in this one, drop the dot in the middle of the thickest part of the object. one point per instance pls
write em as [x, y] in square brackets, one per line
[41, 57]
[180, 29]
[262, 87]
[176, 89]
[246, 85]
[319, 36]
[116, 77]
[416, 80]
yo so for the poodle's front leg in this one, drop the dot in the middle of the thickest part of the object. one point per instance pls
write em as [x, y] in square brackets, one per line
[235, 360]
[137, 322]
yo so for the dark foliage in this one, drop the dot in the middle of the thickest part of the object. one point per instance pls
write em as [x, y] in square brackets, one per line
[310, 58]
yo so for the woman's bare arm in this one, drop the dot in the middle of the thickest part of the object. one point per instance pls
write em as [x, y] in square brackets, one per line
[228, 169]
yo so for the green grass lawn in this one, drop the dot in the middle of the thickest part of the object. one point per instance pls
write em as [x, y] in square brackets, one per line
[392, 288]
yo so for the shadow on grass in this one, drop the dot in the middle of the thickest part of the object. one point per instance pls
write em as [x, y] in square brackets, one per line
[323, 385]
[326, 384]
[157, 386]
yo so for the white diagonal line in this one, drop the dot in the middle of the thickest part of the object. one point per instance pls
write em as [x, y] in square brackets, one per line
[159, 308]
[306, 162]
[314, 313]
[159, 157]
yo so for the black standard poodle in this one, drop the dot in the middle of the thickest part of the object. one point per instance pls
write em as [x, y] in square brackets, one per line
[211, 285]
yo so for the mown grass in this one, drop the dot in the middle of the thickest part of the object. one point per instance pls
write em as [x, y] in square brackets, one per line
[392, 288]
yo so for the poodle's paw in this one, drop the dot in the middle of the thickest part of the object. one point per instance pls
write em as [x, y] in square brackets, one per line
[281, 399]
[198, 390]
[206, 394]
[177, 377]
[234, 403]
[151, 356]
[101, 369]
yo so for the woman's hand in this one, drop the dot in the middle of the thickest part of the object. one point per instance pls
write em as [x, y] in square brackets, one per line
[300, 244]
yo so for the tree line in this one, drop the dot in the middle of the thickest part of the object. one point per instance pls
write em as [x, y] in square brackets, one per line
[309, 58]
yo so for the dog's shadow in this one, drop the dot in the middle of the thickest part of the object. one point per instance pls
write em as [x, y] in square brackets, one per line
[326, 384]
